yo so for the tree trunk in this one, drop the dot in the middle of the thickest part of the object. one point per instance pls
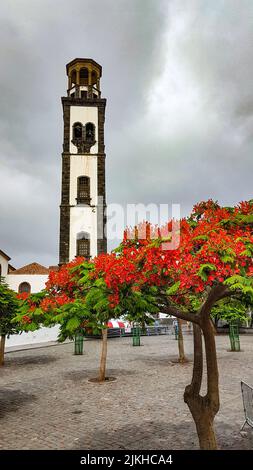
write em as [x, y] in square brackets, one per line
[214, 325]
[206, 434]
[2, 347]
[204, 409]
[182, 357]
[103, 356]
[203, 416]
[212, 366]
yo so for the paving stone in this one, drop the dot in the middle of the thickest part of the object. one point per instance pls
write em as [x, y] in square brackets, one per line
[47, 402]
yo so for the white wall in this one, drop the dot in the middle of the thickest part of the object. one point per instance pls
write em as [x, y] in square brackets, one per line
[36, 281]
[83, 165]
[84, 114]
[4, 265]
[82, 219]
[33, 337]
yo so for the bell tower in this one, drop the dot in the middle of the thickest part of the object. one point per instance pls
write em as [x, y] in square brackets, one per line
[83, 198]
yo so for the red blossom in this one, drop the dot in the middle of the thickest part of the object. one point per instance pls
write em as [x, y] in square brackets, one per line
[26, 319]
[22, 296]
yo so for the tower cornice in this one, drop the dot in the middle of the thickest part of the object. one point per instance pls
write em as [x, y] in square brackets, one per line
[82, 62]
[69, 101]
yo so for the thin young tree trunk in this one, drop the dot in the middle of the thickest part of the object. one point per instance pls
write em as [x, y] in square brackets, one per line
[2, 348]
[182, 357]
[103, 356]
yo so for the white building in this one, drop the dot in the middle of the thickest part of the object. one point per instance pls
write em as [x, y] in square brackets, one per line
[4, 264]
[30, 279]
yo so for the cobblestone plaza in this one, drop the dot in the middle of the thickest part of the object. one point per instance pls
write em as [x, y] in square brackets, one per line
[47, 401]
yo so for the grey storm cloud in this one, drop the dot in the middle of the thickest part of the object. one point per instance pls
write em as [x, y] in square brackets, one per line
[177, 75]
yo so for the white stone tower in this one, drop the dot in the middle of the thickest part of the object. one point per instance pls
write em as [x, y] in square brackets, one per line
[83, 202]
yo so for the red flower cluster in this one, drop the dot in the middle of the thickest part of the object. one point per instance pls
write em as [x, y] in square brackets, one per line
[64, 278]
[26, 319]
[55, 301]
[214, 245]
[22, 296]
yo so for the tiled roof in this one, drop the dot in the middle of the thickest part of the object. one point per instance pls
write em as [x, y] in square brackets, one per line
[11, 269]
[53, 268]
[33, 268]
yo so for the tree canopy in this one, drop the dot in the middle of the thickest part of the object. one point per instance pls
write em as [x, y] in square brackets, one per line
[8, 310]
[215, 254]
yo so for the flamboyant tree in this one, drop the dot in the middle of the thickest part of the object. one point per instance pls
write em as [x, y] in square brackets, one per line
[213, 261]
[78, 299]
[8, 310]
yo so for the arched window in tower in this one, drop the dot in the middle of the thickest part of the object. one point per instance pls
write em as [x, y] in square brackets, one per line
[83, 190]
[83, 137]
[77, 131]
[90, 133]
[24, 288]
[73, 77]
[94, 78]
[83, 245]
[84, 74]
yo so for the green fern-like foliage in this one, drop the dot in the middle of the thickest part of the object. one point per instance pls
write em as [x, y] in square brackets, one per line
[8, 310]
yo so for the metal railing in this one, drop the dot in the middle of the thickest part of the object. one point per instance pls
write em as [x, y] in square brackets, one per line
[162, 330]
[146, 331]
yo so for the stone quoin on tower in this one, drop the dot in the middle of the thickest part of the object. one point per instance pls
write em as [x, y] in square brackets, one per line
[83, 196]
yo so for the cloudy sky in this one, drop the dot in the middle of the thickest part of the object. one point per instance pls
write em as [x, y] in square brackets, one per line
[178, 77]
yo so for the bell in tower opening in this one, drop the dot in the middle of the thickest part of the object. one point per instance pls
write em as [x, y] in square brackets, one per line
[83, 195]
